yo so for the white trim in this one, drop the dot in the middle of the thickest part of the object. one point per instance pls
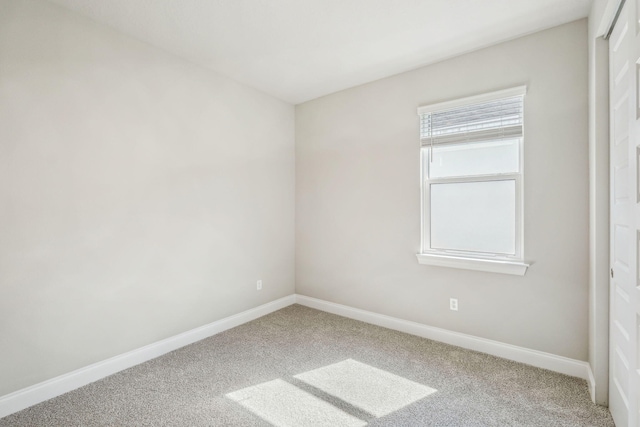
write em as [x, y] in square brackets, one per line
[65, 383]
[476, 99]
[591, 382]
[552, 362]
[494, 266]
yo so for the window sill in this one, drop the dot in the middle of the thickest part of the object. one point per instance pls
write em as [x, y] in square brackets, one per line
[490, 265]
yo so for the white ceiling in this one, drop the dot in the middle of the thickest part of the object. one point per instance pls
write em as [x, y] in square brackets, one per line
[297, 50]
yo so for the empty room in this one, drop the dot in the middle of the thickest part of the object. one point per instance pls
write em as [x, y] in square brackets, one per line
[320, 213]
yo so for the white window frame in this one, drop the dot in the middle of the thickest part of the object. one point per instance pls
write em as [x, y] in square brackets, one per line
[498, 263]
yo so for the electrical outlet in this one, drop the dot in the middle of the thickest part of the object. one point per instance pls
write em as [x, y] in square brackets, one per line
[453, 304]
[259, 286]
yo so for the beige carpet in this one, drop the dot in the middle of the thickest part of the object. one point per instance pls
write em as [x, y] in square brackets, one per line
[302, 367]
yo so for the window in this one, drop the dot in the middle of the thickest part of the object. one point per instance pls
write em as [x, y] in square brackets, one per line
[471, 173]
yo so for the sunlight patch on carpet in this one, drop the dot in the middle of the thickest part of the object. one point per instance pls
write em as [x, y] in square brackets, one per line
[285, 405]
[370, 389]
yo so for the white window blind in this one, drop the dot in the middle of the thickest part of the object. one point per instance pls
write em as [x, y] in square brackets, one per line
[480, 121]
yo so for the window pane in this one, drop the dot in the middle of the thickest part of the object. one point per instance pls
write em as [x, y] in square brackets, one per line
[474, 216]
[475, 158]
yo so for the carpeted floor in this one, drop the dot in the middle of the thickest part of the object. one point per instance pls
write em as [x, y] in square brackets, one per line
[304, 367]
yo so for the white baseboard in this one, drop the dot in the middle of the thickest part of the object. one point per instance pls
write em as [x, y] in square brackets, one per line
[564, 365]
[37, 393]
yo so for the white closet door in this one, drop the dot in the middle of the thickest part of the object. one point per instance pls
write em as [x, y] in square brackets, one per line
[625, 221]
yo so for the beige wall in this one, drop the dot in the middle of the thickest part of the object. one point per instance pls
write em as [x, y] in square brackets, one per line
[140, 196]
[358, 192]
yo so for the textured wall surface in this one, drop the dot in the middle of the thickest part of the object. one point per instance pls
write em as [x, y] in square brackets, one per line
[140, 195]
[358, 197]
